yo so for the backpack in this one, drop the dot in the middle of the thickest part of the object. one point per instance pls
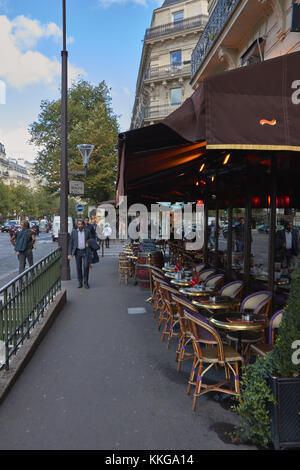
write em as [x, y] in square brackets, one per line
[21, 241]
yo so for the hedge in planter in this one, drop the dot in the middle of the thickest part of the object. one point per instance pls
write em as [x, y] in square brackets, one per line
[257, 398]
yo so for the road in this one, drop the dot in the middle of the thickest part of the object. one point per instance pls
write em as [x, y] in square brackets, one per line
[9, 261]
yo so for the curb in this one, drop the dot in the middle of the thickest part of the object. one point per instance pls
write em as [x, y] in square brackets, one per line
[20, 361]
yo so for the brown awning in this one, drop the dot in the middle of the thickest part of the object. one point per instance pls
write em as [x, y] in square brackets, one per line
[255, 107]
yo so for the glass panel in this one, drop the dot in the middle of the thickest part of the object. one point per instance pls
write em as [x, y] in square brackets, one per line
[175, 58]
[175, 96]
[178, 16]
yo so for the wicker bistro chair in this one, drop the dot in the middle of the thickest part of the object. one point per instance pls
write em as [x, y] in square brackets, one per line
[185, 332]
[124, 268]
[233, 289]
[260, 303]
[216, 280]
[206, 358]
[159, 299]
[205, 274]
[171, 317]
[155, 272]
[264, 349]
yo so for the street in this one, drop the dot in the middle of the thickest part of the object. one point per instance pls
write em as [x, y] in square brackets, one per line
[9, 260]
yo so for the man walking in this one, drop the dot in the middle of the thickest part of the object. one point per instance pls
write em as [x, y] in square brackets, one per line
[78, 247]
[90, 227]
[23, 242]
[287, 243]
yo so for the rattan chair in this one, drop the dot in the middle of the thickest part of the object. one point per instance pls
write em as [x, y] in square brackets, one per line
[171, 316]
[216, 281]
[159, 299]
[124, 268]
[233, 289]
[186, 334]
[259, 303]
[205, 358]
[206, 273]
[264, 349]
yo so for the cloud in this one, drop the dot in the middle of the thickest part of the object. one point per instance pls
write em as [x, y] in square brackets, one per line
[22, 66]
[16, 142]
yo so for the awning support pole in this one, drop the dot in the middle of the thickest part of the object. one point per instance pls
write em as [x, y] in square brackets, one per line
[272, 233]
[229, 238]
[247, 239]
[217, 224]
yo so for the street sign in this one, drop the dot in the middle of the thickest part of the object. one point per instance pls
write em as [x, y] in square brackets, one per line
[76, 187]
[79, 208]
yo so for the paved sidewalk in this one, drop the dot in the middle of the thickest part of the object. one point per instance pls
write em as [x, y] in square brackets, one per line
[102, 379]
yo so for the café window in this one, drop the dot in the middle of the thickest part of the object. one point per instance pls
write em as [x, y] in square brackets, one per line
[178, 16]
[175, 58]
[175, 96]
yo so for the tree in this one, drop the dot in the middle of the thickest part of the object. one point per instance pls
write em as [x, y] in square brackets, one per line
[90, 120]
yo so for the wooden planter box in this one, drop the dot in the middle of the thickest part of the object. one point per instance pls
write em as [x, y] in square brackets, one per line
[285, 415]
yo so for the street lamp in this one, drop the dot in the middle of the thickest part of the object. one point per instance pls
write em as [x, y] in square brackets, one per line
[63, 235]
[86, 151]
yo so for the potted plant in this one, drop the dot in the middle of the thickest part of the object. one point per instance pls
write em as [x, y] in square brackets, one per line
[269, 407]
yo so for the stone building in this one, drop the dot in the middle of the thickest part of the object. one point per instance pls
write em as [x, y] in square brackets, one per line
[163, 81]
[243, 32]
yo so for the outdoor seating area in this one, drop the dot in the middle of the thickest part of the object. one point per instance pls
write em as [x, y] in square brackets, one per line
[216, 323]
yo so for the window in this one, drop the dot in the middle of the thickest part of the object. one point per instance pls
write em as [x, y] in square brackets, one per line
[178, 16]
[175, 58]
[175, 96]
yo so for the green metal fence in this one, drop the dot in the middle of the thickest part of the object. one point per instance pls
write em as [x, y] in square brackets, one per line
[23, 302]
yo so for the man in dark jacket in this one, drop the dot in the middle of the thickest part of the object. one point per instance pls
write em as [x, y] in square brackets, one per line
[78, 247]
[90, 227]
[26, 254]
[287, 244]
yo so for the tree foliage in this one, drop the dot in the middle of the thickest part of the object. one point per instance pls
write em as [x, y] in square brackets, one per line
[90, 120]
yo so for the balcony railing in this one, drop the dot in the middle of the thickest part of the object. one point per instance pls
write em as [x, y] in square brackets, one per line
[160, 111]
[177, 26]
[167, 71]
[218, 19]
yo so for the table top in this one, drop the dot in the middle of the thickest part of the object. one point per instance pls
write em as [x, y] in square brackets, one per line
[170, 269]
[225, 303]
[236, 323]
[192, 292]
[181, 282]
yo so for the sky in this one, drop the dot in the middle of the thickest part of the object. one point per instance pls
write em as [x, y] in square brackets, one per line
[104, 43]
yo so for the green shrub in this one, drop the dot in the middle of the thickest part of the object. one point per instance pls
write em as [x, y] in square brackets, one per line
[256, 396]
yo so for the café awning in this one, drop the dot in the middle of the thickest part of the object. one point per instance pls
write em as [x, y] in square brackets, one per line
[251, 108]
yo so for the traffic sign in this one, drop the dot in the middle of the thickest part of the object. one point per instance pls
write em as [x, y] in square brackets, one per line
[79, 208]
[76, 187]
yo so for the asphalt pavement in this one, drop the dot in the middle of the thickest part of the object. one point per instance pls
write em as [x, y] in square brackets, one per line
[102, 379]
[9, 265]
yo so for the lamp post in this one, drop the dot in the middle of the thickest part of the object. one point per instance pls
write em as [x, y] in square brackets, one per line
[63, 235]
[86, 151]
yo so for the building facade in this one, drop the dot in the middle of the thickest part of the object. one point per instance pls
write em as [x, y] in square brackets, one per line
[14, 172]
[163, 81]
[243, 32]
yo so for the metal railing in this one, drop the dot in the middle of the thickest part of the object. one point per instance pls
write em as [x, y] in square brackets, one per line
[218, 19]
[159, 111]
[175, 27]
[23, 302]
[167, 71]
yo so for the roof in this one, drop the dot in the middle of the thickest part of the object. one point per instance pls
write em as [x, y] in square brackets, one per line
[170, 2]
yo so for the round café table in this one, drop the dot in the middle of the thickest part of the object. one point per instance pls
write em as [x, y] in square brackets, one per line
[223, 303]
[171, 275]
[233, 322]
[169, 269]
[181, 282]
[192, 292]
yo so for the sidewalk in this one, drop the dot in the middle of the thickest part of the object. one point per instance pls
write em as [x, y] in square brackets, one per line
[102, 379]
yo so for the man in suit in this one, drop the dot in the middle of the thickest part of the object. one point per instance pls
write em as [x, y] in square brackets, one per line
[90, 227]
[78, 247]
[287, 244]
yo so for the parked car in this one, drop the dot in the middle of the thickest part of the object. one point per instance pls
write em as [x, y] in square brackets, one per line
[8, 224]
[44, 226]
[263, 228]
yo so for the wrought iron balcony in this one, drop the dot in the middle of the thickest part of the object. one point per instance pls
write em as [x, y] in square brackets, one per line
[166, 71]
[218, 19]
[175, 27]
[160, 111]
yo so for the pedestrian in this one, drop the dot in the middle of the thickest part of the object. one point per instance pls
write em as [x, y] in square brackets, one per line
[78, 247]
[240, 235]
[212, 234]
[287, 244]
[90, 227]
[23, 242]
[107, 233]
